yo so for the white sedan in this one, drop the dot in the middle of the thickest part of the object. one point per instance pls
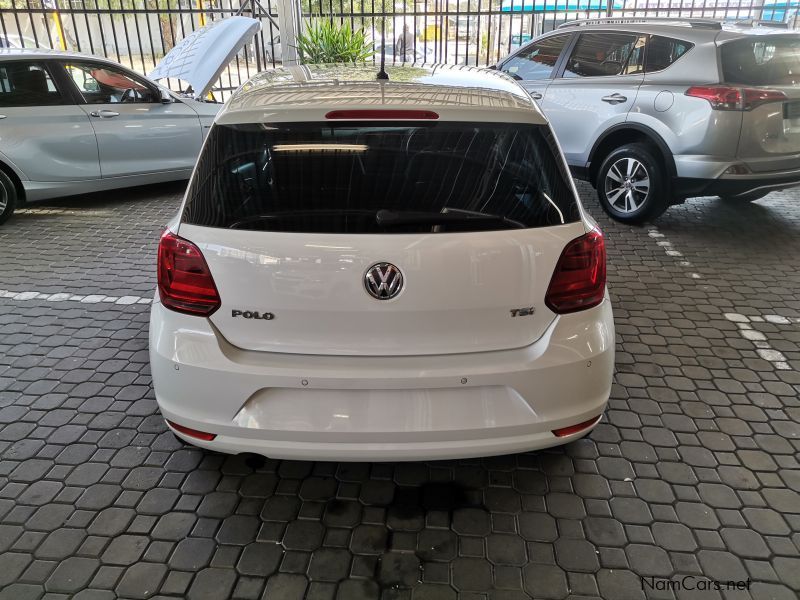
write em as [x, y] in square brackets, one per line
[72, 123]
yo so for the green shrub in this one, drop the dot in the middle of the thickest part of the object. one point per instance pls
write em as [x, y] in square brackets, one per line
[326, 42]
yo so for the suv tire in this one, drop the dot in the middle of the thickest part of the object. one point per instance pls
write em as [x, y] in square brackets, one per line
[632, 184]
[8, 197]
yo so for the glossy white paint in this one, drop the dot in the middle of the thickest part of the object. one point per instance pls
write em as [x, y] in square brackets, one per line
[441, 371]
[201, 56]
[457, 296]
[307, 92]
[378, 407]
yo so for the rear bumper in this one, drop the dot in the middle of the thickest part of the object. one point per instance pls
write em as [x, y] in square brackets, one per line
[705, 176]
[382, 408]
[731, 187]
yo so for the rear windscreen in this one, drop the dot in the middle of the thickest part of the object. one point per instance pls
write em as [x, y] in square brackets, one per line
[336, 177]
[762, 61]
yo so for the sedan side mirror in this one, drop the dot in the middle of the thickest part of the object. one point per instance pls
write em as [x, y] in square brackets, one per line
[492, 67]
[166, 97]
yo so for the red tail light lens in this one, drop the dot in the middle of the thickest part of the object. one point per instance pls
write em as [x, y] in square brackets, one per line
[724, 97]
[565, 431]
[380, 114]
[579, 280]
[753, 97]
[188, 431]
[185, 284]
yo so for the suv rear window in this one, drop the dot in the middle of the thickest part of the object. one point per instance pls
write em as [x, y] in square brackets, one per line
[337, 177]
[762, 61]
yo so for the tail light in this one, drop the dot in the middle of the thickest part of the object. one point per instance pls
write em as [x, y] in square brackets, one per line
[565, 431]
[184, 280]
[195, 433]
[380, 114]
[579, 280]
[724, 97]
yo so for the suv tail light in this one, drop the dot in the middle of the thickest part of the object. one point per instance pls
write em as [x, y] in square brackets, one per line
[579, 280]
[724, 97]
[185, 284]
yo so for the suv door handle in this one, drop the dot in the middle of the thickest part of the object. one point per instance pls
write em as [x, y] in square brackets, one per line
[3, 117]
[536, 95]
[614, 99]
[104, 114]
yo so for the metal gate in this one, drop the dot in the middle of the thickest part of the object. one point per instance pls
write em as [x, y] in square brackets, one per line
[138, 33]
[480, 32]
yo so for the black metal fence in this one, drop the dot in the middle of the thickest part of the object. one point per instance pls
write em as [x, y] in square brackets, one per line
[480, 32]
[138, 33]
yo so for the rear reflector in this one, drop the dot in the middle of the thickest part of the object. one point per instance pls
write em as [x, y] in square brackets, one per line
[565, 431]
[193, 433]
[185, 284]
[579, 279]
[723, 97]
[378, 114]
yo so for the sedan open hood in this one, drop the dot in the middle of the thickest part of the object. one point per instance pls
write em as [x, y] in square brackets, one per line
[200, 58]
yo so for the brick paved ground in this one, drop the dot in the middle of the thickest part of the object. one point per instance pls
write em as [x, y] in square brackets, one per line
[694, 471]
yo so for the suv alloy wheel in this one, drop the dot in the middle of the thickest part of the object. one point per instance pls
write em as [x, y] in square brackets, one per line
[631, 184]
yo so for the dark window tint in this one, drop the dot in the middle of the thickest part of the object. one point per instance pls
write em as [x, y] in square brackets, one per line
[335, 178]
[103, 84]
[27, 84]
[604, 54]
[762, 61]
[537, 60]
[663, 51]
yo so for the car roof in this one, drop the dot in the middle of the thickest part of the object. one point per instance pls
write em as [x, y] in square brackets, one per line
[696, 30]
[306, 92]
[46, 53]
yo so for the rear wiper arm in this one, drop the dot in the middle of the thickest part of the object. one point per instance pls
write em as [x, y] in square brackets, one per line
[450, 215]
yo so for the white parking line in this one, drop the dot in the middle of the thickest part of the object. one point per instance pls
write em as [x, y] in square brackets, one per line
[67, 297]
[670, 250]
[758, 339]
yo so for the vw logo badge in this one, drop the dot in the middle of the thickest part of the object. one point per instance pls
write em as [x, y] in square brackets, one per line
[383, 281]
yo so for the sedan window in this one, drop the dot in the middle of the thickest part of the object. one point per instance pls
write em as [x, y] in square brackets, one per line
[104, 84]
[27, 84]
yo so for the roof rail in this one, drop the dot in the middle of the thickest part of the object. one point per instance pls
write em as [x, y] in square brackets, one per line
[704, 23]
[761, 23]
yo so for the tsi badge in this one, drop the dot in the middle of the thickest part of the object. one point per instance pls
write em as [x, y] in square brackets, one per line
[523, 312]
[252, 314]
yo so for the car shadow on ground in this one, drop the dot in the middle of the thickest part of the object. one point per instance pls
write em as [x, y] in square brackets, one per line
[91, 203]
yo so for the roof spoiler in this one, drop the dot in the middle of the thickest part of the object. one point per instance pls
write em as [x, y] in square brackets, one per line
[701, 23]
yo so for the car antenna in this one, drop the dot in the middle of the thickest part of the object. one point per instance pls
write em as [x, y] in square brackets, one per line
[382, 74]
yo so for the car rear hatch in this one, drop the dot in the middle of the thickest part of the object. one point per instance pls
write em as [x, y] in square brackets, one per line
[303, 224]
[768, 68]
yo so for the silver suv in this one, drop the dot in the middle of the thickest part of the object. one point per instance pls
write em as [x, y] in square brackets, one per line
[652, 112]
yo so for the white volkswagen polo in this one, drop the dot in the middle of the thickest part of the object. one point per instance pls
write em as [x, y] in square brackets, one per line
[367, 269]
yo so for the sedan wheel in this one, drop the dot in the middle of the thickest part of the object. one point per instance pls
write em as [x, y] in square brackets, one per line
[8, 197]
[627, 185]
